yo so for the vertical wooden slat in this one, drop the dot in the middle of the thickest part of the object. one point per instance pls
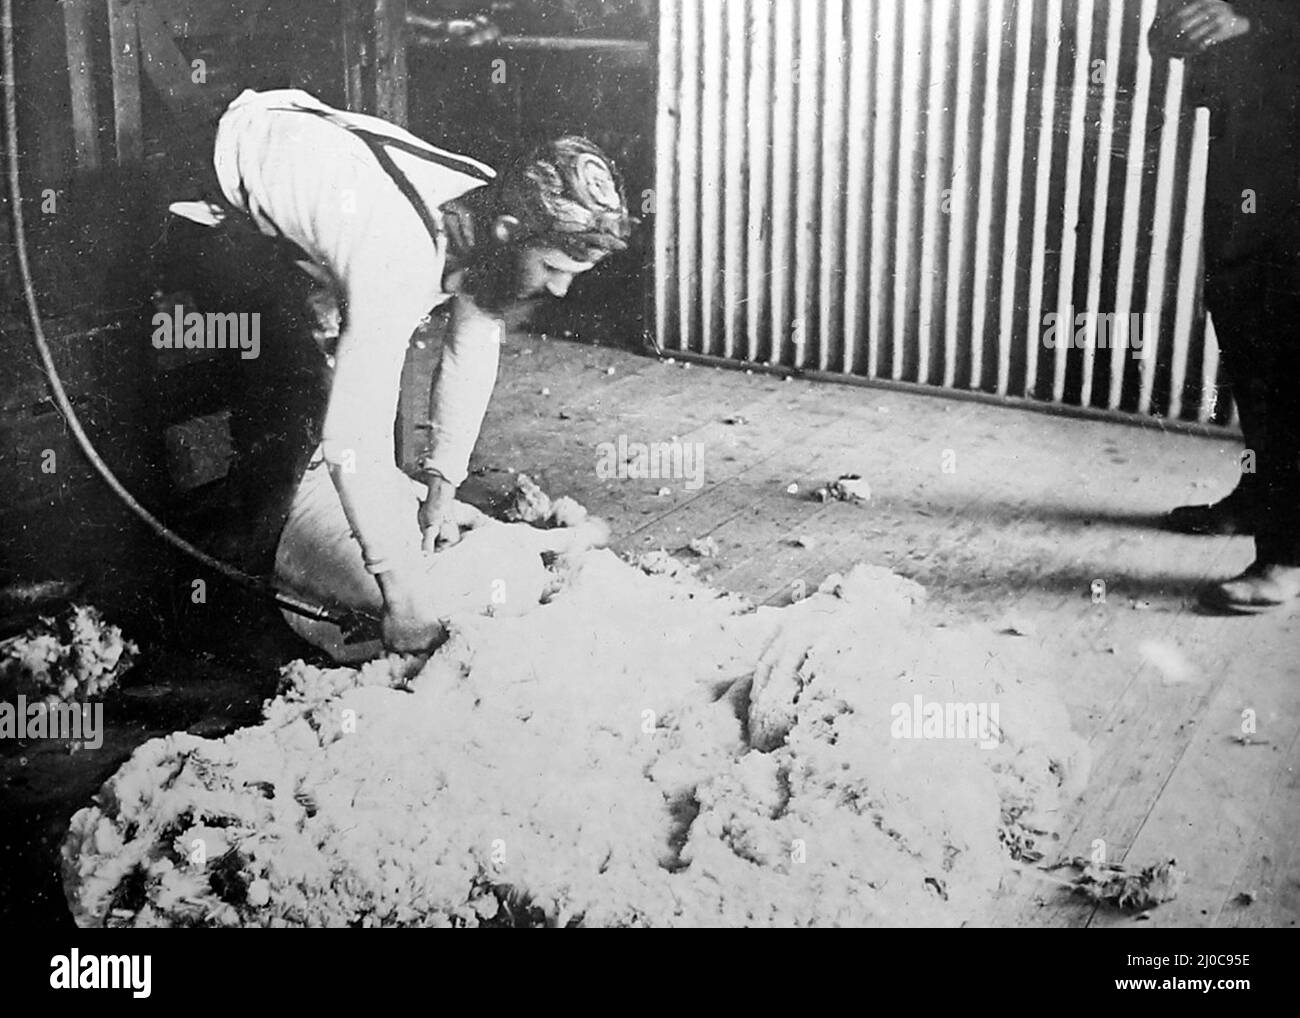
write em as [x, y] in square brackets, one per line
[354, 55]
[1234, 408]
[688, 180]
[736, 142]
[1127, 266]
[123, 40]
[1210, 373]
[1042, 194]
[857, 198]
[1073, 196]
[959, 203]
[712, 60]
[1016, 152]
[390, 61]
[1161, 231]
[758, 259]
[910, 88]
[165, 65]
[664, 198]
[1190, 263]
[783, 138]
[1101, 193]
[882, 184]
[81, 81]
[831, 275]
[808, 193]
[988, 183]
[806, 184]
[936, 132]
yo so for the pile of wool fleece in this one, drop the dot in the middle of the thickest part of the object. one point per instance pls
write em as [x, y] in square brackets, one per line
[591, 762]
[73, 657]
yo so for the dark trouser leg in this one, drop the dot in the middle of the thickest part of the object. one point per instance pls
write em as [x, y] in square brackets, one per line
[1277, 540]
[1253, 291]
[1235, 284]
[276, 408]
[276, 420]
[1235, 298]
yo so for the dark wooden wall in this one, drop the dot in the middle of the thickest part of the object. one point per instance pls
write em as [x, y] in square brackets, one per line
[118, 101]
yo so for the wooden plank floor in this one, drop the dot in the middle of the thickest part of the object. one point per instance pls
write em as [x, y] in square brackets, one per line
[1003, 515]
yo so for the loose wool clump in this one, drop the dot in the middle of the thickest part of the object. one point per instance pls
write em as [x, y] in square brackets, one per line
[638, 750]
[76, 656]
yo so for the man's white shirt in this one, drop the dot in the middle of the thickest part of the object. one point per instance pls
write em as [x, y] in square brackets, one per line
[361, 198]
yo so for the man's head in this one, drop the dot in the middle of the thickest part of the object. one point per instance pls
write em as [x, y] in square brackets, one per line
[550, 216]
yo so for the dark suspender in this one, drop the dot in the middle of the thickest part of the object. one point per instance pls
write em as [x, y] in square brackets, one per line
[379, 144]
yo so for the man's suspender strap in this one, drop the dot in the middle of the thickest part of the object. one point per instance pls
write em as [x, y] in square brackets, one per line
[379, 145]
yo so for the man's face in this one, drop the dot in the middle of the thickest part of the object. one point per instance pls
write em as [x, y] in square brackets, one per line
[547, 270]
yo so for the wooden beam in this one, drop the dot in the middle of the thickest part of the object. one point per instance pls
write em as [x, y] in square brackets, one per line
[164, 63]
[355, 50]
[81, 71]
[390, 60]
[124, 44]
[432, 32]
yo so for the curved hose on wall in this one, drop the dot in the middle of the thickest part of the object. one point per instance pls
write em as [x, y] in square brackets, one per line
[257, 586]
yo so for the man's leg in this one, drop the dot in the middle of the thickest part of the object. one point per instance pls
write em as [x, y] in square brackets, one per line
[1255, 265]
[1278, 537]
[319, 559]
[276, 421]
[1273, 580]
[497, 569]
[1235, 283]
[1240, 329]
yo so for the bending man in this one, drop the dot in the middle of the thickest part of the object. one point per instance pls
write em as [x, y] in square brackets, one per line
[394, 227]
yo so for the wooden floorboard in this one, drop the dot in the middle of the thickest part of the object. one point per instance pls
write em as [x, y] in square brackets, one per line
[1037, 509]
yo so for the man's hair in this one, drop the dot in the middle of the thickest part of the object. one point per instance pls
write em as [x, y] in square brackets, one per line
[566, 193]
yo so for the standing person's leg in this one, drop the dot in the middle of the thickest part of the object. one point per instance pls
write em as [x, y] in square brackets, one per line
[1278, 536]
[1272, 371]
[1235, 280]
[1273, 580]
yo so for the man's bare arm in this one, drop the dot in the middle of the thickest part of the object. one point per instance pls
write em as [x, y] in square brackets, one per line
[462, 390]
[358, 445]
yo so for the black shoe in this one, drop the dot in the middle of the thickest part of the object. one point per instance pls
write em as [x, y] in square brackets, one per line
[1235, 515]
[1261, 588]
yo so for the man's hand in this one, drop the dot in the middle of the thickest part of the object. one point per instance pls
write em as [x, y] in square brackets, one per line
[1196, 27]
[778, 679]
[437, 522]
[410, 624]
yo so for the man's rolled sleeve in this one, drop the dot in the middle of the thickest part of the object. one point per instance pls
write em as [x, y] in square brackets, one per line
[467, 375]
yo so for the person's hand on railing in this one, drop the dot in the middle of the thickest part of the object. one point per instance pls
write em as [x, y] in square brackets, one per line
[1196, 27]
